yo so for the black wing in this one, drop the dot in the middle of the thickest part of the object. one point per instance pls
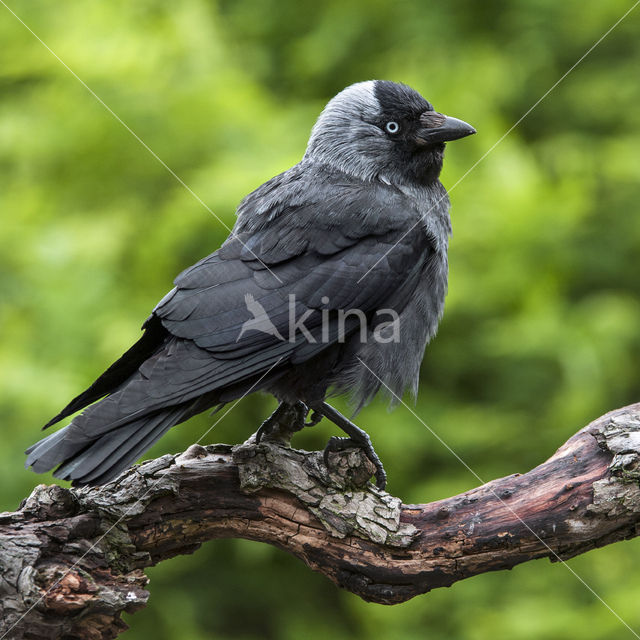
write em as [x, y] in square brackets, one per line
[208, 309]
[330, 257]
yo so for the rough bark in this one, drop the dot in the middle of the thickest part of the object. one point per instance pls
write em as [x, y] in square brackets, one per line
[72, 560]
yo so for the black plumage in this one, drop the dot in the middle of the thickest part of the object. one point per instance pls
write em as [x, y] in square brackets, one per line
[361, 223]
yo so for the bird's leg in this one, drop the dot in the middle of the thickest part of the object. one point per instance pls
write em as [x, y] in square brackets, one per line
[283, 422]
[357, 437]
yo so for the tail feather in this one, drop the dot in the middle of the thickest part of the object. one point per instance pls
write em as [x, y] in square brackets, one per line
[99, 451]
[45, 454]
[110, 469]
[116, 451]
[178, 381]
[93, 461]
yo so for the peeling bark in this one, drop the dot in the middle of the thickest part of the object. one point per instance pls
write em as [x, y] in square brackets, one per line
[72, 560]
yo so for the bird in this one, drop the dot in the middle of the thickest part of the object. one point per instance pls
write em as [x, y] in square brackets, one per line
[332, 281]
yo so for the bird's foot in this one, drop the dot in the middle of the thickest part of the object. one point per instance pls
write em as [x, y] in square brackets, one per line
[357, 437]
[283, 422]
[337, 443]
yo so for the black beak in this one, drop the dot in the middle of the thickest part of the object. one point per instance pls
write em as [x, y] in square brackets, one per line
[436, 127]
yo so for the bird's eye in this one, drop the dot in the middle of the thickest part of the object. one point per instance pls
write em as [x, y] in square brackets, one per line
[392, 127]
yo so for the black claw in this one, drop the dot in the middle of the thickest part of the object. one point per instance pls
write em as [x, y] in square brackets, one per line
[336, 444]
[381, 477]
[381, 474]
[266, 427]
[313, 420]
[357, 437]
[340, 444]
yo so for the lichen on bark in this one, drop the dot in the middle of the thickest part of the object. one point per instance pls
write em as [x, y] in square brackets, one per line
[338, 494]
[72, 560]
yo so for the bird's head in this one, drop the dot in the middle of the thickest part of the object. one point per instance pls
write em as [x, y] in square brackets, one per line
[383, 130]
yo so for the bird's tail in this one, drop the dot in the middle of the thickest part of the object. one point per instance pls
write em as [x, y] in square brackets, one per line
[96, 461]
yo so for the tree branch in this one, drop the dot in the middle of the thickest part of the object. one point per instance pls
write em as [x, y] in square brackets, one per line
[72, 560]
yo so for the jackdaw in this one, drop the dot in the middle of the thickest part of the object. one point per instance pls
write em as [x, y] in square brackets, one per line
[356, 232]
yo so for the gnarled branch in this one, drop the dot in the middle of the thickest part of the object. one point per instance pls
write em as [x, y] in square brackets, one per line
[72, 560]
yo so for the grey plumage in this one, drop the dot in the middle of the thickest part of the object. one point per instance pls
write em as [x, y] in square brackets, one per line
[361, 223]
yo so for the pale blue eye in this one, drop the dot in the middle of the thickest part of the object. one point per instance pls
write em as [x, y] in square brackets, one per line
[392, 127]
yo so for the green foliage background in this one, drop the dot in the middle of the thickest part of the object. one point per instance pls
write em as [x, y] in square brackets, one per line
[542, 325]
